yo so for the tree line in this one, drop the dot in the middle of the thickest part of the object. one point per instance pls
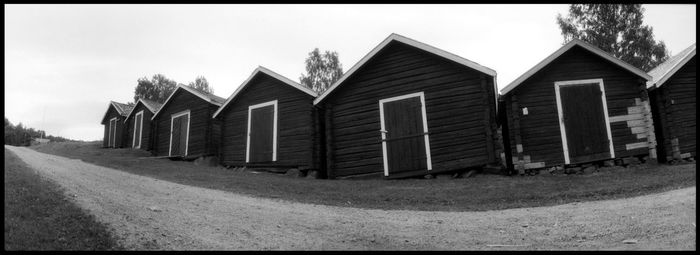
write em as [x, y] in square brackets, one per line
[19, 135]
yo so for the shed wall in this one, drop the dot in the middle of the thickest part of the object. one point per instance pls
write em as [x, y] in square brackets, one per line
[538, 132]
[676, 104]
[296, 136]
[200, 133]
[146, 136]
[459, 105]
[120, 140]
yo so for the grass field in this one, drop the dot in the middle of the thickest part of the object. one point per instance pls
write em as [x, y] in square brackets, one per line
[39, 217]
[479, 193]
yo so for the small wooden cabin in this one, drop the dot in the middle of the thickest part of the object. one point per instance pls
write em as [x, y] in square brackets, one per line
[138, 124]
[113, 121]
[673, 94]
[184, 127]
[578, 105]
[409, 109]
[269, 121]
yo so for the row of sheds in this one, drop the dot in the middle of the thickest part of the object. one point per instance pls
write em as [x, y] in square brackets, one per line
[409, 109]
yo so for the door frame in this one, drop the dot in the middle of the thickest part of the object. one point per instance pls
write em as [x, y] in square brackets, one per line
[383, 131]
[187, 139]
[562, 128]
[274, 129]
[133, 142]
[112, 136]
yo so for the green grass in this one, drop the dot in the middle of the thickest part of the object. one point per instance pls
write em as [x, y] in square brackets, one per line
[39, 217]
[482, 192]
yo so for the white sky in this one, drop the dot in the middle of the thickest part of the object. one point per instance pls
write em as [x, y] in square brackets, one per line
[66, 62]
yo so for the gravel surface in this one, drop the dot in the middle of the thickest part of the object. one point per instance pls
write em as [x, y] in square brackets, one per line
[147, 213]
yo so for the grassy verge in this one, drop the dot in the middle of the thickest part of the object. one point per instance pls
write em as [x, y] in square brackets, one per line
[482, 192]
[39, 217]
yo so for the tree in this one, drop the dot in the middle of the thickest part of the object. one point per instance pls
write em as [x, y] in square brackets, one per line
[616, 29]
[22, 136]
[322, 70]
[201, 84]
[157, 89]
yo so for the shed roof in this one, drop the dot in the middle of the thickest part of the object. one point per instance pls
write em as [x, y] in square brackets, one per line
[210, 98]
[666, 69]
[277, 76]
[151, 105]
[122, 109]
[565, 48]
[411, 42]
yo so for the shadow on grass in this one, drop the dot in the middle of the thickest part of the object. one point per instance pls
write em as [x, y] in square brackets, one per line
[480, 193]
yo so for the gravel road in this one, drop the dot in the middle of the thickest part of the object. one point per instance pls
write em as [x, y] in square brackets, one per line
[147, 213]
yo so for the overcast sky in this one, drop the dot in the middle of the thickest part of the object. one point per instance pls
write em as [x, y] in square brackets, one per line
[64, 63]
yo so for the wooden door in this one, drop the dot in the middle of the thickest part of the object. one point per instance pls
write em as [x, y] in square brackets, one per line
[184, 134]
[178, 143]
[261, 134]
[404, 136]
[112, 132]
[584, 122]
[137, 130]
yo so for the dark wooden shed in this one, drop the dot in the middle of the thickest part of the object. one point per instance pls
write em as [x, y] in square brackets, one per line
[409, 109]
[184, 126]
[578, 105]
[673, 93]
[113, 121]
[269, 121]
[138, 124]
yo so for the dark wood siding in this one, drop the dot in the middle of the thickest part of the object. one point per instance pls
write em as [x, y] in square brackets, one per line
[675, 112]
[146, 136]
[538, 132]
[459, 103]
[296, 136]
[200, 132]
[120, 141]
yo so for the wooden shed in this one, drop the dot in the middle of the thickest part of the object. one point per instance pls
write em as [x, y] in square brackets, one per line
[409, 109]
[184, 127]
[269, 121]
[138, 124]
[113, 121]
[673, 93]
[578, 105]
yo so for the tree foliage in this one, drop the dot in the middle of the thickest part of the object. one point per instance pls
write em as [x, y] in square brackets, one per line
[201, 84]
[616, 29]
[322, 70]
[157, 89]
[160, 87]
[19, 135]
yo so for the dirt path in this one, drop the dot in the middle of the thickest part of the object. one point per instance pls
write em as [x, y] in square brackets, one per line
[147, 213]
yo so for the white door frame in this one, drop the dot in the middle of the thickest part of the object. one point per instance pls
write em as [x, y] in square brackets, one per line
[187, 139]
[274, 129]
[133, 142]
[383, 131]
[564, 142]
[112, 135]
